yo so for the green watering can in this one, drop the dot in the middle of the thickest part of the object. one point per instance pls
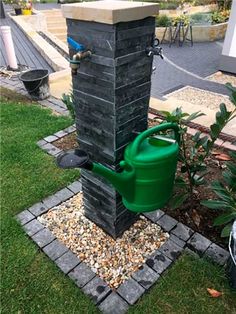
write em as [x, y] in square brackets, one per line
[149, 167]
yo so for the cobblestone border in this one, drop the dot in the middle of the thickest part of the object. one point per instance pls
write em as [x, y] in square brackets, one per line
[53, 103]
[182, 238]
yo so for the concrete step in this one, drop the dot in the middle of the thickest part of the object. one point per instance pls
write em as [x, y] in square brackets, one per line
[62, 37]
[57, 23]
[57, 30]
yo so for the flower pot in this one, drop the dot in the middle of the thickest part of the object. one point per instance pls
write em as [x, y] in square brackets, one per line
[18, 11]
[26, 11]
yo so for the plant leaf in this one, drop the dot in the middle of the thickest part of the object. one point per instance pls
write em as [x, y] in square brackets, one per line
[178, 200]
[225, 218]
[216, 204]
[215, 130]
[226, 230]
[221, 191]
[195, 115]
[214, 293]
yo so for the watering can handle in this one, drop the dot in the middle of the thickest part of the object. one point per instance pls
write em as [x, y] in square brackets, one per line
[161, 127]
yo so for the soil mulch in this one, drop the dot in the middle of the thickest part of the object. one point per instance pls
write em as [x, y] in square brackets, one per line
[191, 213]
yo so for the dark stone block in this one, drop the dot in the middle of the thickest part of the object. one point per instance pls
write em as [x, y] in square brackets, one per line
[145, 276]
[217, 254]
[81, 274]
[55, 249]
[130, 290]
[51, 201]
[177, 240]
[113, 304]
[67, 262]
[75, 187]
[64, 194]
[96, 289]
[198, 243]
[24, 217]
[183, 232]
[167, 222]
[155, 215]
[159, 262]
[33, 227]
[51, 149]
[38, 209]
[171, 250]
[43, 237]
[50, 138]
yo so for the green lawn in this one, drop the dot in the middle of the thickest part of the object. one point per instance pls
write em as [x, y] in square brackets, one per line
[30, 282]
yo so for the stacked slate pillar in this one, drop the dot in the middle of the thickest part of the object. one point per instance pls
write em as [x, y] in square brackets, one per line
[111, 92]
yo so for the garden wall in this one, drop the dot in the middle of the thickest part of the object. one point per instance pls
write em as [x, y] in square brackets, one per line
[202, 33]
[191, 10]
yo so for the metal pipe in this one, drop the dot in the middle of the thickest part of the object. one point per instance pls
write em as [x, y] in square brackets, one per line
[9, 46]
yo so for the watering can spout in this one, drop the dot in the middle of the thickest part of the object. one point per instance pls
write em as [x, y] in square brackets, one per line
[123, 182]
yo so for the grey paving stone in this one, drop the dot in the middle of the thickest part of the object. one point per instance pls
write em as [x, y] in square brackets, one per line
[60, 134]
[218, 254]
[67, 262]
[171, 249]
[198, 243]
[183, 232]
[24, 217]
[82, 274]
[33, 227]
[113, 304]
[55, 249]
[41, 143]
[145, 276]
[96, 289]
[64, 194]
[167, 222]
[50, 138]
[38, 209]
[75, 187]
[155, 215]
[191, 252]
[51, 149]
[159, 262]
[51, 201]
[43, 237]
[130, 290]
[70, 129]
[177, 240]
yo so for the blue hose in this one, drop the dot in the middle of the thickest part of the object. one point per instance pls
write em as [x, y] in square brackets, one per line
[75, 45]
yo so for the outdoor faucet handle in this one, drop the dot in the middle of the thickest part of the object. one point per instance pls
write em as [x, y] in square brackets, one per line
[78, 47]
[155, 49]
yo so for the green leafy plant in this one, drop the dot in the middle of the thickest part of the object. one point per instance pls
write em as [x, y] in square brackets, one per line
[220, 16]
[192, 156]
[226, 193]
[163, 20]
[183, 18]
[68, 100]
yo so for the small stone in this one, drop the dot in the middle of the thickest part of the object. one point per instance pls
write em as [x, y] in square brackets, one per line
[130, 290]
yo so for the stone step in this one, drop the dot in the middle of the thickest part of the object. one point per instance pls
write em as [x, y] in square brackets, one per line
[57, 30]
[62, 37]
[60, 23]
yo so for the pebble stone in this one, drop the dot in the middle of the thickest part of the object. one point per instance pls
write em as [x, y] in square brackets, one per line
[24, 217]
[159, 262]
[130, 290]
[55, 249]
[198, 243]
[81, 274]
[33, 227]
[38, 209]
[171, 250]
[96, 289]
[167, 222]
[155, 215]
[183, 232]
[67, 262]
[145, 276]
[216, 253]
[114, 304]
[43, 237]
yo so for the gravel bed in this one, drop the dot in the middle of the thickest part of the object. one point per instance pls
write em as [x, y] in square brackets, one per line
[114, 261]
[203, 98]
[223, 78]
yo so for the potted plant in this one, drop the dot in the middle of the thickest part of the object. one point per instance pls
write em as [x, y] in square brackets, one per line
[16, 4]
[26, 7]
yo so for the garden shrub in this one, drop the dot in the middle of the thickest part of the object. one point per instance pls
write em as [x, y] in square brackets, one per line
[163, 20]
[220, 16]
[68, 100]
[181, 18]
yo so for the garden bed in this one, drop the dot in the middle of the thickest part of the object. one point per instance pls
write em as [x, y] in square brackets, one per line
[191, 213]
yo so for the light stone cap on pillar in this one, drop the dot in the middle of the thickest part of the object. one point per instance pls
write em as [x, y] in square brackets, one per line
[109, 12]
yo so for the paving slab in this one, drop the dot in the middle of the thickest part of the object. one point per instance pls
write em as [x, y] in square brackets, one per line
[217, 254]
[159, 262]
[198, 243]
[114, 304]
[182, 231]
[33, 227]
[38, 209]
[55, 249]
[67, 262]
[24, 217]
[81, 274]
[155, 215]
[43, 237]
[171, 249]
[96, 289]
[167, 222]
[130, 290]
[145, 276]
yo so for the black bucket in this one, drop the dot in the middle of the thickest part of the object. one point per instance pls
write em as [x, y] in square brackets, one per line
[36, 83]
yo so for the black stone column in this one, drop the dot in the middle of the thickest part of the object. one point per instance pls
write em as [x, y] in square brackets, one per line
[111, 91]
